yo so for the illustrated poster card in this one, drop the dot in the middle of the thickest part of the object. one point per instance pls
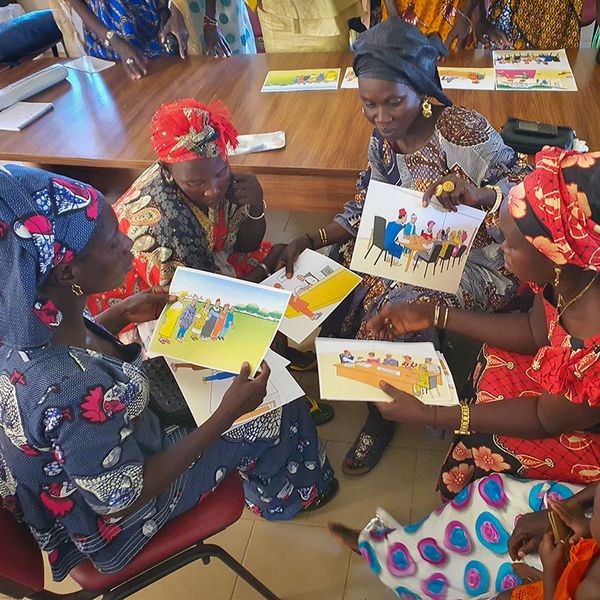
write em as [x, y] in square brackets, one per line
[531, 59]
[466, 78]
[318, 286]
[542, 80]
[398, 239]
[204, 389]
[218, 322]
[353, 370]
[301, 80]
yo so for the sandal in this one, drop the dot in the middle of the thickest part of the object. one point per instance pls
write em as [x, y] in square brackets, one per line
[365, 452]
[301, 361]
[320, 412]
[324, 497]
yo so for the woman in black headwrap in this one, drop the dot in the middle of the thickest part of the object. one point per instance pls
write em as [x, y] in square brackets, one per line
[418, 145]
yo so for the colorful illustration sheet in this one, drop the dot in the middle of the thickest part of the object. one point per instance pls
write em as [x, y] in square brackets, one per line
[531, 59]
[535, 80]
[353, 370]
[350, 80]
[399, 239]
[318, 286]
[466, 78]
[204, 389]
[218, 322]
[301, 80]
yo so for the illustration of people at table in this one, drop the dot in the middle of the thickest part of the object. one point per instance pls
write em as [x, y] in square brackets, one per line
[372, 359]
[410, 229]
[408, 362]
[390, 361]
[392, 230]
[346, 357]
[427, 234]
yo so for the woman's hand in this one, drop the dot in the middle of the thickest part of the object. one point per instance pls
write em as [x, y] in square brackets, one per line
[147, 305]
[527, 534]
[290, 254]
[404, 408]
[247, 190]
[551, 555]
[176, 26]
[396, 320]
[244, 395]
[135, 63]
[491, 37]
[459, 33]
[214, 42]
[574, 520]
[451, 191]
[272, 259]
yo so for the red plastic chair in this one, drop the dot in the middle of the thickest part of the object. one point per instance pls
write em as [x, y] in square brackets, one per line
[177, 544]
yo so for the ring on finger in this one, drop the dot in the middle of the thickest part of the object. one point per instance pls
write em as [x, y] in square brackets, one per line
[448, 186]
[129, 61]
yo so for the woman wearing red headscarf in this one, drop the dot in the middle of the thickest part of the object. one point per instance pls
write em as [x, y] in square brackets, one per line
[188, 209]
[534, 411]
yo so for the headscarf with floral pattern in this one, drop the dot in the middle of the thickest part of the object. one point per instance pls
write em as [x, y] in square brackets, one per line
[557, 207]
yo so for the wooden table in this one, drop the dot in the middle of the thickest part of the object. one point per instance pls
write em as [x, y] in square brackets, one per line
[101, 122]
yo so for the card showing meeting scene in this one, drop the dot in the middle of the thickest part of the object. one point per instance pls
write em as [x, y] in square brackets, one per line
[301, 80]
[203, 389]
[399, 239]
[467, 78]
[318, 286]
[531, 59]
[218, 322]
[353, 370]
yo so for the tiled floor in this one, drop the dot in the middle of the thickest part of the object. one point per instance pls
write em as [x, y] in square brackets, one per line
[298, 560]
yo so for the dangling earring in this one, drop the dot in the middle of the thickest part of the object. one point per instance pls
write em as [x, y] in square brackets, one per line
[76, 289]
[362, 108]
[426, 109]
[168, 177]
[557, 272]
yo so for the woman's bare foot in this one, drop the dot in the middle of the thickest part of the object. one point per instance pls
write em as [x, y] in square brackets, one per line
[346, 536]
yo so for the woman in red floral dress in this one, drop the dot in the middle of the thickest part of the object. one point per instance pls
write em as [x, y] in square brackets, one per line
[534, 411]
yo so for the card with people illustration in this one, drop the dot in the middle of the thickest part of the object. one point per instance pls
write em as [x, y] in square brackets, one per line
[535, 80]
[218, 322]
[204, 389]
[318, 286]
[467, 78]
[301, 80]
[531, 59]
[399, 239]
[353, 370]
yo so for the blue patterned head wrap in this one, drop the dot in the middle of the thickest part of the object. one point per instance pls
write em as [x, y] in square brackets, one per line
[45, 220]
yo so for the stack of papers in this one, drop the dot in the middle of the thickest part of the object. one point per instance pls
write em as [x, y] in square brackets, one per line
[21, 114]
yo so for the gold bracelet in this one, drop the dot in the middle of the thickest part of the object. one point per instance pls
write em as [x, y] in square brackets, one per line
[465, 420]
[323, 236]
[436, 315]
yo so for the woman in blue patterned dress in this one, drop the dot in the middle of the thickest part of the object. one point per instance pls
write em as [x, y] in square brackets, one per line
[83, 460]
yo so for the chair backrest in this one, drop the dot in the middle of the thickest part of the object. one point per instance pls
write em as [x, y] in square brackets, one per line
[435, 252]
[461, 251]
[21, 564]
[379, 225]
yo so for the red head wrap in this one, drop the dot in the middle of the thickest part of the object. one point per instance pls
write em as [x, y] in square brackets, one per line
[401, 213]
[557, 207]
[187, 130]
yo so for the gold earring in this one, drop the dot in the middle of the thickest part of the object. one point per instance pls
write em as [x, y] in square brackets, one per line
[362, 108]
[168, 177]
[426, 109]
[557, 272]
[76, 289]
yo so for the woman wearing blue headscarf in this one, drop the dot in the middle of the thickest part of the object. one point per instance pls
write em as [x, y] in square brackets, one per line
[83, 461]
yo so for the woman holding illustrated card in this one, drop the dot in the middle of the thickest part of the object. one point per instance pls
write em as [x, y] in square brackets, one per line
[534, 414]
[423, 146]
[84, 461]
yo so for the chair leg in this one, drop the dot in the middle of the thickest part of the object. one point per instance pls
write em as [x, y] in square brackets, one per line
[369, 250]
[238, 569]
[378, 257]
[415, 261]
[55, 51]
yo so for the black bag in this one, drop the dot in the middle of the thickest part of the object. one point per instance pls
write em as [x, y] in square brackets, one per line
[166, 399]
[529, 137]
